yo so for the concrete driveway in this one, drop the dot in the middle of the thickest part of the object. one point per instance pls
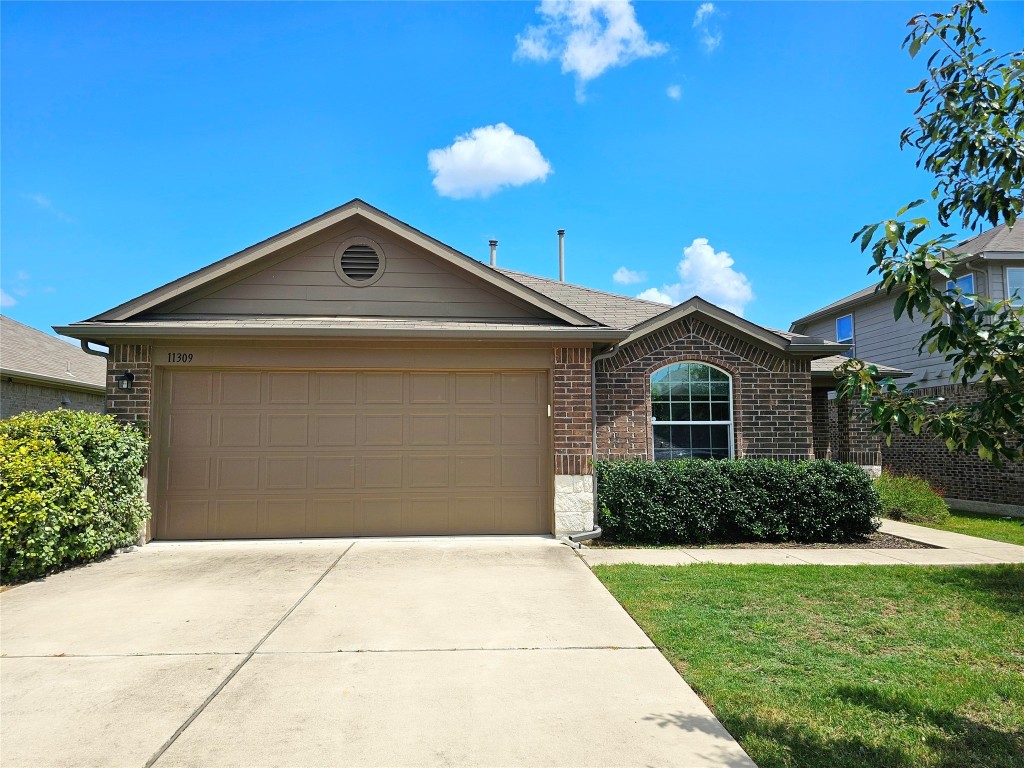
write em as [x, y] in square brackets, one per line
[446, 652]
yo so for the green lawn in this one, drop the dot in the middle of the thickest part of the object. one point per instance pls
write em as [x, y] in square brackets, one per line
[839, 667]
[1009, 529]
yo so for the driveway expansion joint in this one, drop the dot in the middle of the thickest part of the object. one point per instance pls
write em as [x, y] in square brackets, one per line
[238, 667]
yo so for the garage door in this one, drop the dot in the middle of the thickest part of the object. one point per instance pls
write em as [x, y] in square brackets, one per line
[257, 454]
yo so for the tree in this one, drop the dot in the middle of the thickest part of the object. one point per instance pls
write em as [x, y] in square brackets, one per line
[968, 133]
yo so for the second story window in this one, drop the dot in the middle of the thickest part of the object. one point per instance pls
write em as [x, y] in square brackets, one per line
[965, 285]
[844, 331]
[1015, 285]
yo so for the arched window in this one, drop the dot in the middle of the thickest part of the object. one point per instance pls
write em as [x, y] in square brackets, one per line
[691, 412]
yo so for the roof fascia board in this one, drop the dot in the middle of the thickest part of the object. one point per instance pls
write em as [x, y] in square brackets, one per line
[44, 379]
[105, 333]
[289, 237]
[1002, 256]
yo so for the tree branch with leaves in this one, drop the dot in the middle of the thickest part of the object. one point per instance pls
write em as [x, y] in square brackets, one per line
[968, 133]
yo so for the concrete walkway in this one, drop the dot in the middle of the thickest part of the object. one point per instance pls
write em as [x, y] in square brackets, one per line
[439, 652]
[956, 549]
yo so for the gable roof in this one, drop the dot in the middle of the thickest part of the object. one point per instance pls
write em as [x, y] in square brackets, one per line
[349, 210]
[28, 353]
[1001, 239]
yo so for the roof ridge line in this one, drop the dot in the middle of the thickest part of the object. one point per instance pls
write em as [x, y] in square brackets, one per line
[581, 287]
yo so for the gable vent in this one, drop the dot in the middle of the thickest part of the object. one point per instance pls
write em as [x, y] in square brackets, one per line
[359, 261]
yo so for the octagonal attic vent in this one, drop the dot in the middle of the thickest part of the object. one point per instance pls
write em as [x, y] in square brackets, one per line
[359, 261]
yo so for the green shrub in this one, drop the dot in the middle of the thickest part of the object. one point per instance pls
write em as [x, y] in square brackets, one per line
[906, 497]
[696, 501]
[70, 490]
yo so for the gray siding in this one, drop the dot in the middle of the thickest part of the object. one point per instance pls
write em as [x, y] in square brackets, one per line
[880, 339]
[414, 284]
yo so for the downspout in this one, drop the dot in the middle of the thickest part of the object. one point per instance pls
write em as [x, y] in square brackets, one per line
[90, 351]
[594, 360]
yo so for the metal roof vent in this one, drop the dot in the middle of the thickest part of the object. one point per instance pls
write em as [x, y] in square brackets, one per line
[359, 261]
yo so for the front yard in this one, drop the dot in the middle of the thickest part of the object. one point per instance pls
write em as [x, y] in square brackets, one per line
[846, 666]
[1008, 529]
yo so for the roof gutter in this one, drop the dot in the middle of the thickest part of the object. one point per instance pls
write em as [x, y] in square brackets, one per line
[41, 378]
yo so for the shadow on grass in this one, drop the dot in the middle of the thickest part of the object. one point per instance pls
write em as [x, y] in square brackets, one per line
[968, 743]
[1000, 587]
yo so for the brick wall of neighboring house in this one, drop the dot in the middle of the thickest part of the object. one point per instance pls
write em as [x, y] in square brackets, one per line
[771, 392]
[19, 396]
[957, 475]
[820, 423]
[849, 435]
[132, 405]
[571, 410]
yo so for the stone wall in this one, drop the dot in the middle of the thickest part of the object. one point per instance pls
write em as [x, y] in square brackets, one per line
[771, 392]
[17, 396]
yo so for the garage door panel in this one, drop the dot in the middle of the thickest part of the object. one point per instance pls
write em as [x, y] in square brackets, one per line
[334, 472]
[239, 430]
[240, 388]
[288, 389]
[235, 518]
[379, 516]
[282, 517]
[249, 454]
[284, 473]
[238, 473]
[335, 429]
[332, 516]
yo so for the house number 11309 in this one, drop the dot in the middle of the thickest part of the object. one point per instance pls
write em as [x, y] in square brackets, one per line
[179, 357]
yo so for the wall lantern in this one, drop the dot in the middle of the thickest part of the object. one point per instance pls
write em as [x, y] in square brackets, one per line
[124, 381]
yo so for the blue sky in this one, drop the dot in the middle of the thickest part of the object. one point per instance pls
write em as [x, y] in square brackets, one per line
[143, 141]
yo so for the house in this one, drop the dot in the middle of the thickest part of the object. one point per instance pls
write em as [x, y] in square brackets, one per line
[41, 373]
[992, 266]
[354, 376]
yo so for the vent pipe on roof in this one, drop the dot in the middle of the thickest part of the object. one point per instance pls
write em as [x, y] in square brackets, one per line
[561, 255]
[494, 253]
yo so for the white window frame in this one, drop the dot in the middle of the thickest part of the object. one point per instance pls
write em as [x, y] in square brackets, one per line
[732, 415]
[953, 284]
[1020, 301]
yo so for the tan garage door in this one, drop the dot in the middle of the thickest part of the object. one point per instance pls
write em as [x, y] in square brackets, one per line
[256, 454]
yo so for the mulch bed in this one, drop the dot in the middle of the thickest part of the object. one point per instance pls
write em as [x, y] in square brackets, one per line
[872, 541]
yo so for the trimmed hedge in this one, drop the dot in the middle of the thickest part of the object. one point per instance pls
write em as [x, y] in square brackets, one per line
[697, 501]
[70, 490]
[906, 497]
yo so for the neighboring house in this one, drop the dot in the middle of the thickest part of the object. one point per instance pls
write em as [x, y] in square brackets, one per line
[992, 267]
[41, 373]
[354, 376]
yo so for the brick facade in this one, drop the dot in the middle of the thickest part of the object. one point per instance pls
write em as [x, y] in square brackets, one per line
[849, 434]
[20, 396]
[571, 408]
[771, 392]
[133, 405]
[820, 423]
[957, 475]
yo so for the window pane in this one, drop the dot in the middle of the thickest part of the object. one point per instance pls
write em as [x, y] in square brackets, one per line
[720, 438]
[660, 412]
[659, 390]
[662, 437]
[700, 390]
[680, 411]
[719, 411]
[844, 328]
[680, 390]
[660, 376]
[681, 442]
[700, 412]
[717, 375]
[1015, 285]
[720, 391]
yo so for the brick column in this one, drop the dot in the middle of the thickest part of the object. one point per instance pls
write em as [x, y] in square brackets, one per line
[851, 437]
[132, 406]
[819, 422]
[571, 409]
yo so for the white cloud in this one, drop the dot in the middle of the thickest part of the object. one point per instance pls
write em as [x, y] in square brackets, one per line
[653, 294]
[625, 276]
[6, 300]
[487, 159]
[588, 37]
[709, 274]
[674, 92]
[45, 203]
[709, 33]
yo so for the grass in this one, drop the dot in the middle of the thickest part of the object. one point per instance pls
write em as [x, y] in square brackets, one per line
[1008, 529]
[845, 667]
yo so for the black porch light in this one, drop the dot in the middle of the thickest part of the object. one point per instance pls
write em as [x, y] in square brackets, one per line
[125, 380]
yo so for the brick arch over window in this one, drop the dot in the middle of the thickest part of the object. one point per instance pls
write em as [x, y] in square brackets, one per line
[771, 392]
[691, 426]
